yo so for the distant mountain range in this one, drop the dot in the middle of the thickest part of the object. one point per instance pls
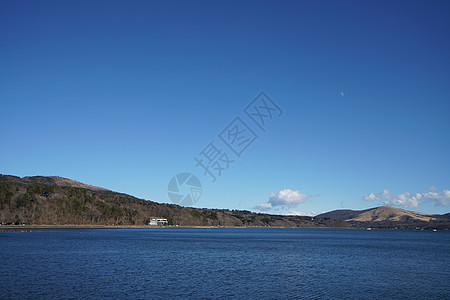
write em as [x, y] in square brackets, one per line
[389, 217]
[52, 200]
[42, 200]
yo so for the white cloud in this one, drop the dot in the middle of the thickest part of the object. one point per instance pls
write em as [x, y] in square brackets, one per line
[439, 199]
[370, 197]
[286, 198]
[264, 206]
[302, 213]
[406, 200]
[410, 200]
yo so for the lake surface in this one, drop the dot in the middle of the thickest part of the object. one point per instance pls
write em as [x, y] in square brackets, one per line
[263, 263]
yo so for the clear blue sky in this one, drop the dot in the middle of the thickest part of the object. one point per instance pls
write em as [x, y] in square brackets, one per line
[124, 94]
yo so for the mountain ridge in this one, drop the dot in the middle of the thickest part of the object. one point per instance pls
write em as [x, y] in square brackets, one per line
[389, 217]
[62, 181]
[54, 200]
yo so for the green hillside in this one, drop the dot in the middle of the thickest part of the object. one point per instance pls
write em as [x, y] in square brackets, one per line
[59, 201]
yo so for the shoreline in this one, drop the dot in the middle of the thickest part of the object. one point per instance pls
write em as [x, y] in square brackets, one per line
[28, 227]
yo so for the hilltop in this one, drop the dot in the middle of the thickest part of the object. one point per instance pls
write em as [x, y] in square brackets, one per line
[389, 217]
[61, 181]
[42, 200]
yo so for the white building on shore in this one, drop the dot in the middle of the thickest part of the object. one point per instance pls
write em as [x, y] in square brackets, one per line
[157, 222]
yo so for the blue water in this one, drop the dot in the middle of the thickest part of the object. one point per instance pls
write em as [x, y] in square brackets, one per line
[225, 263]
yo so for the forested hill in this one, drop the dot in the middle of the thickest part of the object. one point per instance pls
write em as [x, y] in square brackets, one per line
[42, 200]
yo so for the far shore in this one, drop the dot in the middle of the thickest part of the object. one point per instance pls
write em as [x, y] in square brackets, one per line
[30, 227]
